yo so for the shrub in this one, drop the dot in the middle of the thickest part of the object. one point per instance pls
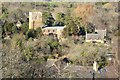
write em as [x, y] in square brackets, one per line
[28, 53]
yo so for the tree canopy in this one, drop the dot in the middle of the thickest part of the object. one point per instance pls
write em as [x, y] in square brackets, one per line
[47, 19]
[60, 21]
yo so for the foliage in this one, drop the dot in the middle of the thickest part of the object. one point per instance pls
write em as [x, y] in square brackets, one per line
[30, 34]
[20, 44]
[102, 62]
[60, 21]
[47, 19]
[28, 53]
[71, 27]
[1, 33]
[25, 27]
[82, 31]
[38, 32]
[4, 11]
[20, 15]
[81, 28]
[28, 58]
[90, 28]
[14, 29]
[53, 44]
[101, 3]
[42, 45]
[86, 53]
[8, 27]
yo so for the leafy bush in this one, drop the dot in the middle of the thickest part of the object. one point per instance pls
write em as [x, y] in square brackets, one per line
[54, 44]
[30, 34]
[28, 53]
[38, 32]
[60, 21]
[48, 19]
[14, 29]
[8, 27]
[25, 27]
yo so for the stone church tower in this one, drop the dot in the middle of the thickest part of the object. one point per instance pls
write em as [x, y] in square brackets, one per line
[35, 20]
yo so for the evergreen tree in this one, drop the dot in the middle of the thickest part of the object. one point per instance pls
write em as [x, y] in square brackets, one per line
[48, 19]
[60, 21]
[71, 27]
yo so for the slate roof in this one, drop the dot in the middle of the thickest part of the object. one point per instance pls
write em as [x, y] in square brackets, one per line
[53, 27]
[93, 37]
[99, 35]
